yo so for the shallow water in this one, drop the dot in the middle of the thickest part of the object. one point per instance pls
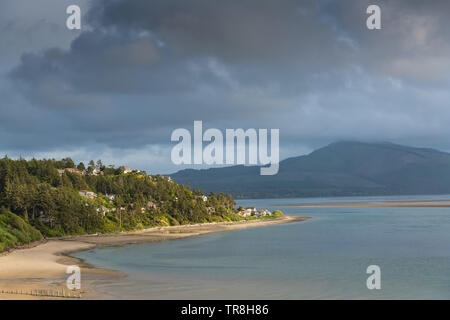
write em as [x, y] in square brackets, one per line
[325, 257]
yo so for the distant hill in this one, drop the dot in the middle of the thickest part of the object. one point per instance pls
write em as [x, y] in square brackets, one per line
[340, 169]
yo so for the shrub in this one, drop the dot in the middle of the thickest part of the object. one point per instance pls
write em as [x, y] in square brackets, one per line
[15, 231]
[277, 213]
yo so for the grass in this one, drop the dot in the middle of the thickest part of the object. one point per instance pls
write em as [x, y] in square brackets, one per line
[14, 231]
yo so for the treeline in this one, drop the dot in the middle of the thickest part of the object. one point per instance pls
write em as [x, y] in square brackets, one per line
[46, 195]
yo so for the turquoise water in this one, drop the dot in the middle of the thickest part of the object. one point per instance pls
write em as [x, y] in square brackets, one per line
[323, 258]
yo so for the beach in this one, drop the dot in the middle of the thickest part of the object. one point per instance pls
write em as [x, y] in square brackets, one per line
[43, 266]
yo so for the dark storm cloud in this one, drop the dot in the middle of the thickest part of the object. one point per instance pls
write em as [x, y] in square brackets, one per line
[247, 30]
[319, 34]
[158, 46]
[99, 62]
[140, 69]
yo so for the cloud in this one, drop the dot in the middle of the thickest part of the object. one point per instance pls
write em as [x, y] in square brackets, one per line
[167, 46]
[140, 69]
[235, 31]
[412, 45]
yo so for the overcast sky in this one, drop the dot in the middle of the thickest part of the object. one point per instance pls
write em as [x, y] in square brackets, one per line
[139, 69]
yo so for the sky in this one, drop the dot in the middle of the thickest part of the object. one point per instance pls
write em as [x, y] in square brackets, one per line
[139, 69]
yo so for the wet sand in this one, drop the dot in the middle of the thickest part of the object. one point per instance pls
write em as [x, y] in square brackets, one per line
[43, 267]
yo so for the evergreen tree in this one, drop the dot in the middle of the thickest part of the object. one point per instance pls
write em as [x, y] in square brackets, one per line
[81, 166]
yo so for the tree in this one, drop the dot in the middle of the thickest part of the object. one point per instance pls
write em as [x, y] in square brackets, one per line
[100, 165]
[81, 166]
[68, 163]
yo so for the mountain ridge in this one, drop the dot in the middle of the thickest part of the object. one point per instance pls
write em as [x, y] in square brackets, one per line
[342, 168]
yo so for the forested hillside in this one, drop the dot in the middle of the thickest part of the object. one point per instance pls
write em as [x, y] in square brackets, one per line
[57, 198]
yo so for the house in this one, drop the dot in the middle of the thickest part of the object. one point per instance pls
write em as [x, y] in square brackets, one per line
[71, 170]
[248, 212]
[92, 171]
[245, 213]
[204, 198]
[263, 213]
[87, 193]
[125, 169]
[251, 211]
[74, 170]
[103, 210]
[111, 197]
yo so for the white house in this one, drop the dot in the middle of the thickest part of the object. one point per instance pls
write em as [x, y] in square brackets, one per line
[125, 169]
[110, 196]
[87, 193]
[248, 212]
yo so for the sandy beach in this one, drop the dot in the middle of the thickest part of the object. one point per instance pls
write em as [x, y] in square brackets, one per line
[43, 267]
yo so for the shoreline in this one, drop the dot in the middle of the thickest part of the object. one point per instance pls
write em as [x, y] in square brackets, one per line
[42, 266]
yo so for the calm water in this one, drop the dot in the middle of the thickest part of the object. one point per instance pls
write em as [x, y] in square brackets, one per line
[325, 257]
